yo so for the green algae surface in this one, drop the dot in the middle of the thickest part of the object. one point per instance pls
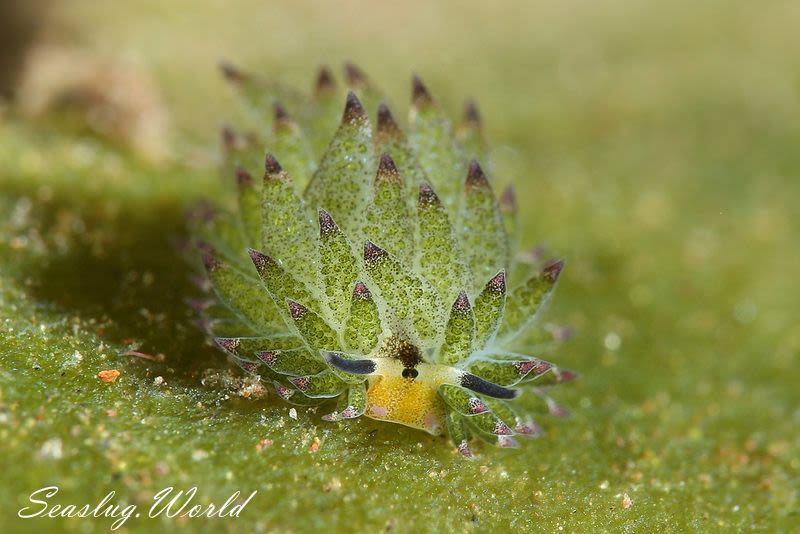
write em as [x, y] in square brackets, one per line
[659, 157]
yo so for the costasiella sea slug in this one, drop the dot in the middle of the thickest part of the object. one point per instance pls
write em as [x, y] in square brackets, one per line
[370, 269]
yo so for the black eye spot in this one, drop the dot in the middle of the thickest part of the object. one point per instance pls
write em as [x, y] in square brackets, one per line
[410, 373]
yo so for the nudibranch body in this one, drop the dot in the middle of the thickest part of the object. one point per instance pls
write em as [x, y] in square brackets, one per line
[373, 269]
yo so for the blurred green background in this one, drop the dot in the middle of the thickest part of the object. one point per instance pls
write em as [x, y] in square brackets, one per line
[654, 144]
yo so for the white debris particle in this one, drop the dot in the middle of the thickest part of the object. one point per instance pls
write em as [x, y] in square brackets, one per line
[612, 341]
[293, 413]
[199, 454]
[746, 311]
[74, 360]
[52, 449]
[603, 485]
[158, 381]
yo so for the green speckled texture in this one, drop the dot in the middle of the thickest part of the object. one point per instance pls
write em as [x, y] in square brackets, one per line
[292, 362]
[654, 146]
[294, 149]
[532, 294]
[389, 219]
[459, 399]
[483, 237]
[283, 214]
[339, 272]
[315, 330]
[431, 137]
[439, 252]
[250, 345]
[363, 324]
[250, 208]
[410, 299]
[234, 288]
[322, 385]
[489, 309]
[459, 333]
[282, 285]
[345, 174]
[505, 373]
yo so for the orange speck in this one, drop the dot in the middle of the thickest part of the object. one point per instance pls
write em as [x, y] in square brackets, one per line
[315, 445]
[266, 442]
[108, 376]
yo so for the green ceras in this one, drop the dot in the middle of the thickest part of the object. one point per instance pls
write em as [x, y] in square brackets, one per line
[374, 267]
